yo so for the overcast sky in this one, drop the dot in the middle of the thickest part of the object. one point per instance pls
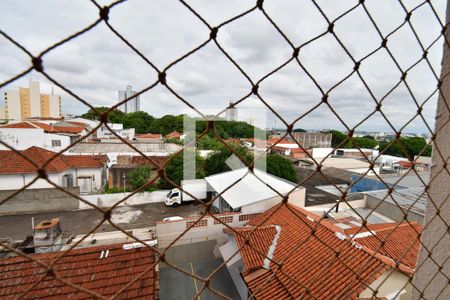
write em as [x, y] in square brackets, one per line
[97, 64]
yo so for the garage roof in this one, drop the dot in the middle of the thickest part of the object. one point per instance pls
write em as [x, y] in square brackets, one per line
[250, 189]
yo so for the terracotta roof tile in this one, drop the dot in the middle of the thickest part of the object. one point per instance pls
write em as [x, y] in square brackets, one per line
[47, 128]
[13, 163]
[84, 268]
[173, 135]
[401, 242]
[149, 136]
[321, 265]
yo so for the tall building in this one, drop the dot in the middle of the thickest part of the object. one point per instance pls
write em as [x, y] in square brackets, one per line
[30, 103]
[232, 113]
[132, 105]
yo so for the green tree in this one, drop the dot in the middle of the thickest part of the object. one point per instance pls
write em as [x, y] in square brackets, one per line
[299, 130]
[216, 161]
[92, 115]
[276, 164]
[338, 137]
[175, 170]
[406, 147]
[140, 176]
[363, 142]
[139, 120]
[281, 167]
[369, 137]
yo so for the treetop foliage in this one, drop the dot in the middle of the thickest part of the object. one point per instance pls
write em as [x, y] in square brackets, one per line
[145, 123]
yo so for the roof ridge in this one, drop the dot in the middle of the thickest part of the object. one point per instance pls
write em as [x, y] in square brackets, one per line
[381, 257]
[395, 226]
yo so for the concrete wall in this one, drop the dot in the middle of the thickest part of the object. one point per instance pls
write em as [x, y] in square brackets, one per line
[38, 200]
[108, 200]
[392, 211]
[205, 229]
[389, 284]
[428, 279]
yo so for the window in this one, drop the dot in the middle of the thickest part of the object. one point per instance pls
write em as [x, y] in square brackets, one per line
[67, 180]
[56, 143]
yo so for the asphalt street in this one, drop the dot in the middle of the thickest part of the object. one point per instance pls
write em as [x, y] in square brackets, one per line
[82, 221]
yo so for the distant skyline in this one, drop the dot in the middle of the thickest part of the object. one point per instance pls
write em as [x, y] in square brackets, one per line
[97, 64]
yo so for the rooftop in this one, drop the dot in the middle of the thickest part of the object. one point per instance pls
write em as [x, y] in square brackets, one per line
[248, 189]
[328, 263]
[149, 136]
[410, 180]
[311, 180]
[11, 162]
[105, 147]
[46, 127]
[411, 199]
[343, 163]
[104, 270]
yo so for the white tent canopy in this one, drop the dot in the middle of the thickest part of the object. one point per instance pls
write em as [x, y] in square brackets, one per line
[250, 189]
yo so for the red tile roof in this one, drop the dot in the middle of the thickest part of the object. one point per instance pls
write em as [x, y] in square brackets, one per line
[13, 163]
[149, 136]
[79, 124]
[400, 241]
[47, 128]
[173, 135]
[278, 141]
[84, 268]
[404, 164]
[323, 265]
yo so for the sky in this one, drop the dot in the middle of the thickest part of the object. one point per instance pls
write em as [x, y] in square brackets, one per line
[96, 65]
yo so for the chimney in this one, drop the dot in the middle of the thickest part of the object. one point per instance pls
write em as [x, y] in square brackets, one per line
[47, 236]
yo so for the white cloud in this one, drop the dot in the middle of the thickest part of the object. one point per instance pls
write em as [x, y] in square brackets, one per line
[97, 64]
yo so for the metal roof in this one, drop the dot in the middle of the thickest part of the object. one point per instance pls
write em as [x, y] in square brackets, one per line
[413, 199]
[250, 189]
[409, 181]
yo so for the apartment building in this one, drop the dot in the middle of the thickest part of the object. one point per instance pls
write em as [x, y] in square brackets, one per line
[132, 105]
[30, 103]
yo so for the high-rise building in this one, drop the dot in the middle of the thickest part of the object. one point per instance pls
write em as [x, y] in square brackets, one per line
[232, 113]
[30, 103]
[132, 105]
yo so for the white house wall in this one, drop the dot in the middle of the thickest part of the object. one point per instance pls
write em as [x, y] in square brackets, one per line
[321, 152]
[49, 137]
[21, 139]
[13, 182]
[95, 172]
